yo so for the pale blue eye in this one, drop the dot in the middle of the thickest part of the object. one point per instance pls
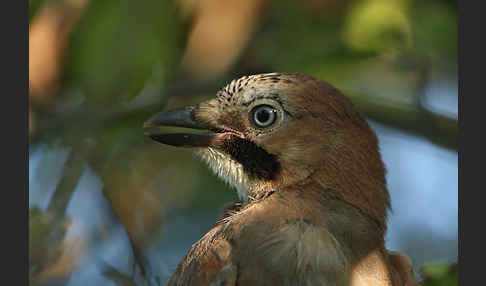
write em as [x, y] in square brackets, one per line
[264, 115]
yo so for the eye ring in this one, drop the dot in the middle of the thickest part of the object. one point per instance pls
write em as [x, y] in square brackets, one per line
[263, 115]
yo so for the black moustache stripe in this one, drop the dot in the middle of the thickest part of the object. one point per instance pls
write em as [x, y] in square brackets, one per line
[256, 161]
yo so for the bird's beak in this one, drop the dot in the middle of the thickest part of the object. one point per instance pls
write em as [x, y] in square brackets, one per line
[181, 117]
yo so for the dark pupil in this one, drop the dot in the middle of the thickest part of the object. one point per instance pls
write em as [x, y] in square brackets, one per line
[263, 116]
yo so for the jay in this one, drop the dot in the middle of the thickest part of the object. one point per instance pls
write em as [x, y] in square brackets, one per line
[308, 172]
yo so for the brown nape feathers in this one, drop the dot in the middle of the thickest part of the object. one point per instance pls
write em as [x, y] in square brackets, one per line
[309, 174]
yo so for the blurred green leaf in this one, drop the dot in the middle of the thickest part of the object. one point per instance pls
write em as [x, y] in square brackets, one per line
[119, 59]
[34, 6]
[293, 39]
[440, 275]
[435, 30]
[120, 45]
[377, 25]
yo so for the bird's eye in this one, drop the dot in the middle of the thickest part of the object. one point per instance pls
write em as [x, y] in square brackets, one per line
[263, 115]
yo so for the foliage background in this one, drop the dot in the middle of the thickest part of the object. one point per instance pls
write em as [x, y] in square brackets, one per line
[109, 206]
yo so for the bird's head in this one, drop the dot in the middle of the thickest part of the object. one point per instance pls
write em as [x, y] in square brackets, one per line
[273, 131]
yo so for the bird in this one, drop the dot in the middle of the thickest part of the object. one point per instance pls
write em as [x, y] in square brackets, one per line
[311, 184]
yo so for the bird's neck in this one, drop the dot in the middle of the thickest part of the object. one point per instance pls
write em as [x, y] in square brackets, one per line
[356, 186]
[361, 185]
[368, 196]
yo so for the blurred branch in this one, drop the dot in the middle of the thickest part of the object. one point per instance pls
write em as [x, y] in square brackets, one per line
[414, 117]
[139, 256]
[48, 229]
[46, 237]
[50, 124]
[116, 276]
[122, 279]
[440, 129]
[73, 170]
